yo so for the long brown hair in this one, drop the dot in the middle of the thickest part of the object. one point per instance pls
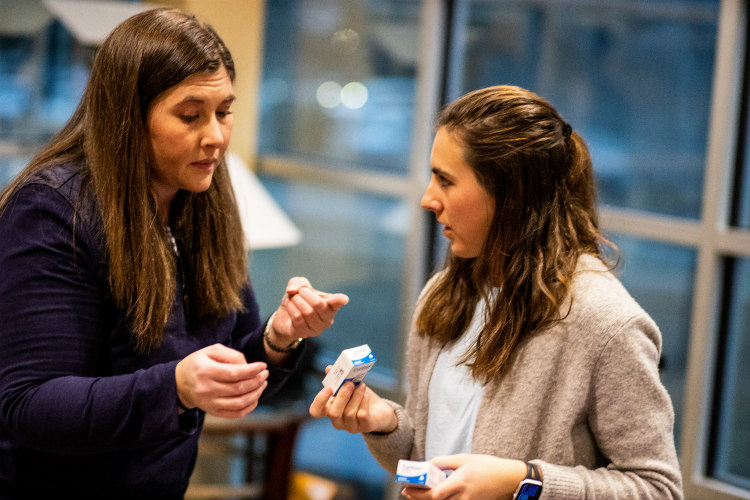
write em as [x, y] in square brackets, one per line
[539, 172]
[143, 57]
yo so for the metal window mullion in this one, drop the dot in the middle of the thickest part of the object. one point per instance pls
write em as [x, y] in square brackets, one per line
[734, 242]
[675, 230]
[351, 179]
[651, 226]
[702, 344]
[430, 71]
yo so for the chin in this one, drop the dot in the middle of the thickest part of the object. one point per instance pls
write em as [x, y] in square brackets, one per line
[463, 253]
[460, 253]
[200, 187]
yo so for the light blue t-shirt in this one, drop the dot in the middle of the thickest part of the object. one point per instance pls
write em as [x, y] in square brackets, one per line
[454, 396]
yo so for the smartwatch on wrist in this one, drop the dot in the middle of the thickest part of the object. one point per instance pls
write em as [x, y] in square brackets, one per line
[530, 488]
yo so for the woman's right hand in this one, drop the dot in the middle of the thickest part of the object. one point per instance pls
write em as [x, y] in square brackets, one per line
[219, 381]
[354, 409]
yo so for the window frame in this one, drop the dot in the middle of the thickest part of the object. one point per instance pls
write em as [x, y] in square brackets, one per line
[715, 240]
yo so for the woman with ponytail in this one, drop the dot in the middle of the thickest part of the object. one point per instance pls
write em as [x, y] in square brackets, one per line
[533, 373]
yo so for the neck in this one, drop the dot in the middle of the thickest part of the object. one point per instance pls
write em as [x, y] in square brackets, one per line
[163, 202]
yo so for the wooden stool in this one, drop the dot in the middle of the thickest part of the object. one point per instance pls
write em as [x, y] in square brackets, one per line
[278, 428]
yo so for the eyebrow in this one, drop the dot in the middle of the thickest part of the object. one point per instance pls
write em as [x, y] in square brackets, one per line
[191, 98]
[438, 171]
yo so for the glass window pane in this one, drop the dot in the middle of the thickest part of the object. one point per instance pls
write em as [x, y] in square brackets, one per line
[352, 243]
[43, 72]
[633, 78]
[741, 210]
[743, 200]
[660, 277]
[731, 462]
[338, 81]
[42, 77]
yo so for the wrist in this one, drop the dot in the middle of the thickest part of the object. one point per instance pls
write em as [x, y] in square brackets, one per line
[530, 487]
[274, 341]
[181, 406]
[392, 423]
[183, 402]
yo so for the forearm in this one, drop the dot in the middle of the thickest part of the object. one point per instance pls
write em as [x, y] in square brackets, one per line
[94, 414]
[580, 483]
[389, 448]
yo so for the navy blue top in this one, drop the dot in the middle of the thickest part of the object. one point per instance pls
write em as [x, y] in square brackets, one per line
[81, 413]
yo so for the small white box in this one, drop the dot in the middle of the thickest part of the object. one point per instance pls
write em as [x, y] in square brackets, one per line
[352, 364]
[419, 474]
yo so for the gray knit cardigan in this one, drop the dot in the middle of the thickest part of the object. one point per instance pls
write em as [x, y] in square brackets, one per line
[583, 400]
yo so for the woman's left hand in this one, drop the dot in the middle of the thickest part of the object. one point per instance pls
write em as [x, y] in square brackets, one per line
[474, 477]
[304, 311]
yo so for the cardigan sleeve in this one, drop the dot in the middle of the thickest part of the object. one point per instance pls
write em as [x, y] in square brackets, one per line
[632, 421]
[389, 448]
[56, 320]
[405, 442]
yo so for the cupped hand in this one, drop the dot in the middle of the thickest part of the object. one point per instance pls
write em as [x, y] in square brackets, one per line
[354, 409]
[473, 477]
[218, 380]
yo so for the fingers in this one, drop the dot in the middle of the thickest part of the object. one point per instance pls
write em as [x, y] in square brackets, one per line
[417, 493]
[224, 354]
[308, 310]
[333, 301]
[229, 373]
[451, 461]
[305, 311]
[337, 300]
[294, 284]
[309, 313]
[217, 380]
[346, 410]
[238, 406]
[318, 406]
[445, 490]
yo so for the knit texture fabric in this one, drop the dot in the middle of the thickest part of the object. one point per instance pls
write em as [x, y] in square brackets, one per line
[583, 400]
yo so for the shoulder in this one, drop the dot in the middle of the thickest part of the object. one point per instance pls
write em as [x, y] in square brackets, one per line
[61, 189]
[53, 197]
[66, 179]
[601, 309]
[596, 292]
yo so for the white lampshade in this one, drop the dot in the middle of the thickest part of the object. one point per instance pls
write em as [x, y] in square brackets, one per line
[90, 22]
[264, 223]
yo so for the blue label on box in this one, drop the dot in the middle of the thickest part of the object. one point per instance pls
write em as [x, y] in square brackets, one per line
[412, 479]
[370, 358]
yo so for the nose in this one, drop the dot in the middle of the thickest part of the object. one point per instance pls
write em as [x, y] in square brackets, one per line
[213, 134]
[430, 202]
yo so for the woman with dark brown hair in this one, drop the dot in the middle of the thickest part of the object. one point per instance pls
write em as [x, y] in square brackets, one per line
[125, 303]
[533, 373]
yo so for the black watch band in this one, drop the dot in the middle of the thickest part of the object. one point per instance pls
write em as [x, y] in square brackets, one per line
[532, 472]
[530, 488]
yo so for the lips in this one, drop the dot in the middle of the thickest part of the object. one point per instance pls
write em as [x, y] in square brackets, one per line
[210, 163]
